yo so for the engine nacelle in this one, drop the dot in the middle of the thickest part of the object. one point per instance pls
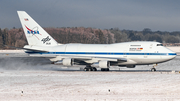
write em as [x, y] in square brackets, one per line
[104, 64]
[67, 62]
[131, 66]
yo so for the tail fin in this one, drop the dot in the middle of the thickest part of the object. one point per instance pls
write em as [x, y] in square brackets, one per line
[35, 34]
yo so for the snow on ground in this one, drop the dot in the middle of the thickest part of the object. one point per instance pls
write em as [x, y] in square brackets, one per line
[26, 78]
[89, 86]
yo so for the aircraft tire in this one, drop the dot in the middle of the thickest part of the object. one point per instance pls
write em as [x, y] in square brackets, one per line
[94, 69]
[90, 69]
[153, 69]
[104, 69]
[86, 69]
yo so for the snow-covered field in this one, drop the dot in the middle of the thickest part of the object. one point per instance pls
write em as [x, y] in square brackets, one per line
[89, 86]
[35, 79]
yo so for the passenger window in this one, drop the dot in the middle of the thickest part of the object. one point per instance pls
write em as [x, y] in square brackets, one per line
[159, 45]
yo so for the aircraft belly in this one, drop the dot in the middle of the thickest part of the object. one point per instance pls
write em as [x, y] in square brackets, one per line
[140, 60]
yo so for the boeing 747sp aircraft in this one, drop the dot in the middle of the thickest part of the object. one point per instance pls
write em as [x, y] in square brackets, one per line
[128, 54]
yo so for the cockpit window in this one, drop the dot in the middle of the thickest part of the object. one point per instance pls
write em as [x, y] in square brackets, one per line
[159, 44]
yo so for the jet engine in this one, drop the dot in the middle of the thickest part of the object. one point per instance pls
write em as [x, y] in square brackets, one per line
[104, 64]
[65, 62]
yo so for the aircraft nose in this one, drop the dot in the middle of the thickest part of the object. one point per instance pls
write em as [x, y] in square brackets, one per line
[172, 55]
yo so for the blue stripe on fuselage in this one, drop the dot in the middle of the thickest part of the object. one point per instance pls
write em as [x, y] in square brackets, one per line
[99, 53]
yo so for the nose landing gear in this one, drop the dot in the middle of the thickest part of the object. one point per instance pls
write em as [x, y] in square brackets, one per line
[154, 68]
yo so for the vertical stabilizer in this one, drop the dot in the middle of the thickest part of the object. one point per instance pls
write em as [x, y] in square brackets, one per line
[35, 34]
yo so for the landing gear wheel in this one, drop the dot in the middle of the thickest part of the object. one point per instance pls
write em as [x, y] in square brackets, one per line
[85, 69]
[104, 69]
[90, 68]
[153, 69]
[94, 69]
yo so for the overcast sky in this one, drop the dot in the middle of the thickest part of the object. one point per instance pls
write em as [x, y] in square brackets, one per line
[163, 15]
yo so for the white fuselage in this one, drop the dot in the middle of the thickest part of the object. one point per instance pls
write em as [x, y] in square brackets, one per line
[136, 53]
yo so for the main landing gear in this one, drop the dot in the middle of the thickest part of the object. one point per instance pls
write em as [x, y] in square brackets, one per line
[89, 68]
[104, 69]
[154, 68]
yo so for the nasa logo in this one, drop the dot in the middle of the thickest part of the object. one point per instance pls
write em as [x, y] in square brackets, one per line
[29, 31]
[44, 40]
[33, 32]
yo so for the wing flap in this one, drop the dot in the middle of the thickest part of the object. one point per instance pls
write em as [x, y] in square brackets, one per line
[103, 58]
[86, 58]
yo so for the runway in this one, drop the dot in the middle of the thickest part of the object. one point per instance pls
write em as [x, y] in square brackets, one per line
[27, 78]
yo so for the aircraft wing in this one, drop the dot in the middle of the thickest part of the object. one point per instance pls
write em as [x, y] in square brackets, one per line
[100, 58]
[88, 58]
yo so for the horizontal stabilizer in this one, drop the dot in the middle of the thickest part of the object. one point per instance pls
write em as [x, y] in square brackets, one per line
[31, 50]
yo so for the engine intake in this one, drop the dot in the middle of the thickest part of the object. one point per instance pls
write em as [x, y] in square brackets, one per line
[65, 62]
[104, 64]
